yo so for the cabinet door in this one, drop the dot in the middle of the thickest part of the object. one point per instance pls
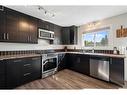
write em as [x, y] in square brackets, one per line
[78, 63]
[58, 35]
[2, 24]
[117, 70]
[13, 73]
[71, 61]
[12, 22]
[73, 35]
[61, 62]
[41, 24]
[2, 74]
[65, 35]
[24, 28]
[84, 66]
[36, 64]
[33, 30]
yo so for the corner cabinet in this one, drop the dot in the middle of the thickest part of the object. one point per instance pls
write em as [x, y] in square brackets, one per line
[61, 61]
[78, 63]
[116, 71]
[69, 35]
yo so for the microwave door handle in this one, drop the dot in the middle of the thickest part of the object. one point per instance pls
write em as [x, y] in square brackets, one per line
[45, 62]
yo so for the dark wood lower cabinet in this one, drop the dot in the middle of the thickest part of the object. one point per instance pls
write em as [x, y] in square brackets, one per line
[2, 74]
[117, 71]
[13, 72]
[31, 69]
[78, 63]
[61, 61]
[22, 70]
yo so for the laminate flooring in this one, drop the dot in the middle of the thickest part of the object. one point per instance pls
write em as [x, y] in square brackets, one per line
[67, 79]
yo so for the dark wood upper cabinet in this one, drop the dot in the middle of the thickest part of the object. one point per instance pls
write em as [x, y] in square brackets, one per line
[58, 35]
[24, 28]
[69, 35]
[2, 23]
[33, 30]
[45, 25]
[73, 35]
[17, 27]
[12, 22]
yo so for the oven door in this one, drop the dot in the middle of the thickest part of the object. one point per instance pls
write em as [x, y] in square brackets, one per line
[49, 64]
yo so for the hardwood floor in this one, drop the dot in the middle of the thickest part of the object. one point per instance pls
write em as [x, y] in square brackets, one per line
[67, 79]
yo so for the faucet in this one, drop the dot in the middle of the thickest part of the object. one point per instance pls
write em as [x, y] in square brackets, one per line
[93, 50]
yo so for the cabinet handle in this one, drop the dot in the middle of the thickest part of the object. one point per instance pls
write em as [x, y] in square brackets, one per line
[110, 60]
[7, 36]
[17, 60]
[26, 65]
[29, 38]
[4, 36]
[2, 8]
[26, 74]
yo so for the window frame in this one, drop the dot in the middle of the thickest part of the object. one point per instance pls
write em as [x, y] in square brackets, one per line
[94, 32]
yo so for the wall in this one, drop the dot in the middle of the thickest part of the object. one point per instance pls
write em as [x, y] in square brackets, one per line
[42, 45]
[114, 23]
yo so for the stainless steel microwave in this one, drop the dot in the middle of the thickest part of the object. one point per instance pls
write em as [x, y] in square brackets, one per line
[46, 34]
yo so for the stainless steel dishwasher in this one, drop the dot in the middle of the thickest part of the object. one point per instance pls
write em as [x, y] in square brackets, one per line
[99, 67]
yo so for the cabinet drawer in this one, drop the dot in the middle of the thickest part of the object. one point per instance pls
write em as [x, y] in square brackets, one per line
[2, 84]
[27, 77]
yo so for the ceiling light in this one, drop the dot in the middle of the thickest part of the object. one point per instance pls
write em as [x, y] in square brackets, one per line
[46, 12]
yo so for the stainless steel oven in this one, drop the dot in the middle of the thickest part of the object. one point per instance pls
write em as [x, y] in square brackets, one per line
[49, 64]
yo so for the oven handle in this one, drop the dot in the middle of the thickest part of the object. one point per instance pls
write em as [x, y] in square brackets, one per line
[45, 62]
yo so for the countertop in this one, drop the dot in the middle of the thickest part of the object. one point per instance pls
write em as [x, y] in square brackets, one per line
[97, 54]
[5, 57]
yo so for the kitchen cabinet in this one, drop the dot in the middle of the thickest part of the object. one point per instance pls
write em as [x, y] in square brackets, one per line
[17, 27]
[12, 22]
[31, 69]
[57, 33]
[2, 24]
[33, 30]
[45, 25]
[13, 72]
[24, 28]
[117, 70]
[65, 35]
[2, 74]
[61, 61]
[28, 29]
[79, 63]
[22, 70]
[69, 35]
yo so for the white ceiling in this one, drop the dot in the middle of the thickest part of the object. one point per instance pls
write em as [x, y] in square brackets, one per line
[73, 15]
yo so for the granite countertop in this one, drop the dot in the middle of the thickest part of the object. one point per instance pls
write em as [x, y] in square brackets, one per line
[98, 54]
[5, 57]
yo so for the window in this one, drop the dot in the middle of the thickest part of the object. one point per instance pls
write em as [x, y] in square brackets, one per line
[96, 38]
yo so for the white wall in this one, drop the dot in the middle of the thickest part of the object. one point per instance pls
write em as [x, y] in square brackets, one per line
[42, 45]
[114, 23]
